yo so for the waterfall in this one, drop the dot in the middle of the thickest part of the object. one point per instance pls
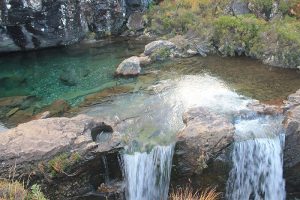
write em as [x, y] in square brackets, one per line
[106, 172]
[147, 175]
[257, 171]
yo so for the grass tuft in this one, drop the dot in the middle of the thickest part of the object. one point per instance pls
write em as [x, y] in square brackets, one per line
[188, 194]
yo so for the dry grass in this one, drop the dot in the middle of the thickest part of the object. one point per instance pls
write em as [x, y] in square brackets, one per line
[188, 194]
[12, 190]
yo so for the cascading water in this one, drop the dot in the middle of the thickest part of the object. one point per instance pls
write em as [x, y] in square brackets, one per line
[147, 175]
[106, 172]
[257, 171]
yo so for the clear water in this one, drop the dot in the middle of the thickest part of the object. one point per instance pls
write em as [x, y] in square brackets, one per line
[153, 112]
[147, 174]
[88, 67]
[257, 171]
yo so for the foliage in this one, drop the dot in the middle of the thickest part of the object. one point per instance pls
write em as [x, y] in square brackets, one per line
[61, 163]
[253, 35]
[188, 194]
[237, 32]
[36, 193]
[14, 190]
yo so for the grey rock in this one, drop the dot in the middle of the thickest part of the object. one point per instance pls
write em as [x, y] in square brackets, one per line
[204, 142]
[135, 21]
[157, 45]
[35, 24]
[129, 67]
[292, 144]
[240, 7]
[28, 148]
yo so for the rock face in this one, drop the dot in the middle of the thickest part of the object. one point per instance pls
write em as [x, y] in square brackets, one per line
[292, 144]
[34, 24]
[201, 144]
[129, 67]
[30, 147]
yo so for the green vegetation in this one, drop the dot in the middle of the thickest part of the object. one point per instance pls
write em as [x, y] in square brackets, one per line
[61, 164]
[268, 33]
[14, 190]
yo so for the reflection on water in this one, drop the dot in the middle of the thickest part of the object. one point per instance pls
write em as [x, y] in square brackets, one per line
[246, 76]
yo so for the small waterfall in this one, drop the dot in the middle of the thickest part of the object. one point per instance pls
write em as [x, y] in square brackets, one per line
[106, 172]
[147, 175]
[257, 171]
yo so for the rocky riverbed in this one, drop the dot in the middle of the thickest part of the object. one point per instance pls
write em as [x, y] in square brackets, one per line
[197, 101]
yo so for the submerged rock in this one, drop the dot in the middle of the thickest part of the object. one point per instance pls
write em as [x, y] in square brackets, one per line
[265, 109]
[201, 145]
[129, 67]
[292, 144]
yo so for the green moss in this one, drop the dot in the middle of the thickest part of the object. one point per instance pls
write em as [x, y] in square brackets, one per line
[161, 54]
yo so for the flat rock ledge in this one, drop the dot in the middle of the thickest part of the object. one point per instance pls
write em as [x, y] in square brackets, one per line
[24, 149]
[201, 144]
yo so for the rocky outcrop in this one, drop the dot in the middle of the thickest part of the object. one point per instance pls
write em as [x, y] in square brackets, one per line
[60, 150]
[201, 144]
[292, 144]
[34, 24]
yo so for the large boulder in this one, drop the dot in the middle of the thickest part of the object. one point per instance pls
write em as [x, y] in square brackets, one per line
[34, 24]
[129, 67]
[202, 148]
[64, 155]
[292, 144]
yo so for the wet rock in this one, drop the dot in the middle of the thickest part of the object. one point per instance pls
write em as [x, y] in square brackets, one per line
[129, 67]
[292, 144]
[202, 144]
[16, 109]
[104, 94]
[265, 109]
[158, 45]
[135, 21]
[37, 24]
[31, 146]
[292, 100]
[57, 108]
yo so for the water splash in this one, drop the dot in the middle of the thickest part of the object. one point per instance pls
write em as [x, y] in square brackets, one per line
[257, 171]
[147, 175]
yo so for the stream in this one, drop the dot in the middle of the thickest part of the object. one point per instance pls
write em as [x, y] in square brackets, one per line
[154, 109]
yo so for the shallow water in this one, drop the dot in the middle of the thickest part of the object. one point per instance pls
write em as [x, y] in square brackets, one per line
[86, 67]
